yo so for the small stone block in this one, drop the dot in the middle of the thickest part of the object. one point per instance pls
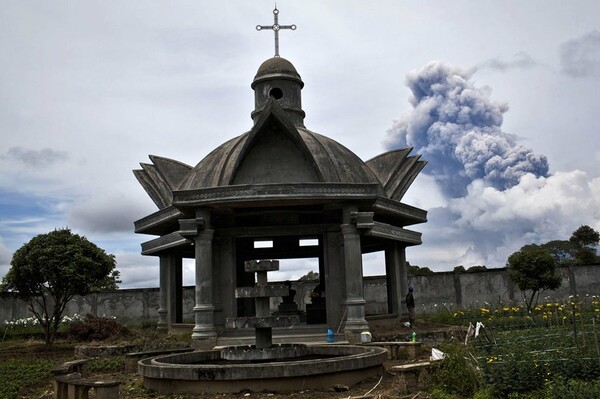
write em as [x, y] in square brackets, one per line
[264, 265]
[188, 227]
[261, 292]
[262, 322]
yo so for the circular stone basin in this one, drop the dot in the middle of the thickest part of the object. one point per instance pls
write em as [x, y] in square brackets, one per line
[310, 367]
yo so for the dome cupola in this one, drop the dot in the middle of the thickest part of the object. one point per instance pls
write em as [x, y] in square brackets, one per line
[277, 79]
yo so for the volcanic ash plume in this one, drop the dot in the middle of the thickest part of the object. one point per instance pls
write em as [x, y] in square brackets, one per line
[457, 129]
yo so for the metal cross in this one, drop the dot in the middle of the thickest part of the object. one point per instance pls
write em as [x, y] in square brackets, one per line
[276, 27]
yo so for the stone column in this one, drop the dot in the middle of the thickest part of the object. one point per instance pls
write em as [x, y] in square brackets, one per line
[334, 274]
[355, 301]
[163, 323]
[395, 265]
[175, 282]
[225, 274]
[204, 333]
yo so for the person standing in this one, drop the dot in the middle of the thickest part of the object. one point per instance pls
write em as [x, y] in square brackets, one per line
[410, 304]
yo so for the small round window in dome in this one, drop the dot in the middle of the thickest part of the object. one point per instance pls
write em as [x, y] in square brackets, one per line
[276, 93]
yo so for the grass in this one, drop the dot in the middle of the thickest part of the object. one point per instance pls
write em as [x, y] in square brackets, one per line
[26, 362]
[15, 374]
[525, 355]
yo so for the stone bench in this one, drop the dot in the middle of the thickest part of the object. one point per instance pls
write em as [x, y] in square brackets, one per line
[413, 376]
[71, 382]
[73, 386]
[74, 366]
[398, 350]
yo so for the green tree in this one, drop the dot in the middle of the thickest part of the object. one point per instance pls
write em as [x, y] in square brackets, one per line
[51, 269]
[418, 270]
[533, 269]
[310, 276]
[585, 239]
[562, 251]
[476, 269]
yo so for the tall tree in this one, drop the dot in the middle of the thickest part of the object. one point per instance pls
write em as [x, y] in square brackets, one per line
[533, 269]
[562, 250]
[51, 269]
[585, 239]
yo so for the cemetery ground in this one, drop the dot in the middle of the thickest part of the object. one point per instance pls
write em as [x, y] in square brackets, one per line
[552, 352]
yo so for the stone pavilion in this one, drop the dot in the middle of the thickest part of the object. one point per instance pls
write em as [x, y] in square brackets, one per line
[285, 185]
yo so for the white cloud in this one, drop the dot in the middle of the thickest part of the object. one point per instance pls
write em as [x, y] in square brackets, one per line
[91, 89]
[487, 225]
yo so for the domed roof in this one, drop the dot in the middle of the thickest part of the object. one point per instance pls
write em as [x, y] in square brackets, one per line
[276, 67]
[275, 151]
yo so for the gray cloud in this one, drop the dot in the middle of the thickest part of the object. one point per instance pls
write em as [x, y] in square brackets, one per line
[36, 158]
[5, 258]
[520, 60]
[457, 129]
[113, 211]
[581, 57]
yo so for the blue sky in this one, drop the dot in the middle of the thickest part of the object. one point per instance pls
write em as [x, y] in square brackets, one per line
[89, 89]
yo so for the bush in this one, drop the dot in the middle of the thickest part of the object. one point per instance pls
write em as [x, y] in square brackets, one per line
[458, 373]
[112, 364]
[438, 393]
[94, 328]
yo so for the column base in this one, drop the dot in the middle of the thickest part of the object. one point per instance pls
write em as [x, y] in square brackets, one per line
[204, 343]
[353, 337]
[162, 326]
[353, 329]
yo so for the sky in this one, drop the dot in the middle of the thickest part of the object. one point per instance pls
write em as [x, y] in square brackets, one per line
[501, 99]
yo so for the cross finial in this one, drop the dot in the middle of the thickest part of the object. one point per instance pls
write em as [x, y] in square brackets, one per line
[275, 28]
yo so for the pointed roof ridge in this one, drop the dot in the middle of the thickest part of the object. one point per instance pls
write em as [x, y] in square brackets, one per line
[273, 110]
[173, 172]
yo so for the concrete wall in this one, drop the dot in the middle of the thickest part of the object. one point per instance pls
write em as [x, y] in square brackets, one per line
[432, 293]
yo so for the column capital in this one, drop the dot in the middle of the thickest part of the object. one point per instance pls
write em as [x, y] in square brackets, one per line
[190, 228]
[206, 235]
[348, 229]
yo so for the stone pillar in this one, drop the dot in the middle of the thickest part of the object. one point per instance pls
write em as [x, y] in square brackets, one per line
[227, 281]
[395, 265]
[175, 283]
[204, 328]
[355, 301]
[334, 274]
[163, 323]
[204, 334]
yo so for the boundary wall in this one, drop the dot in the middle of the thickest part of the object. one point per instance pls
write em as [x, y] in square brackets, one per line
[432, 293]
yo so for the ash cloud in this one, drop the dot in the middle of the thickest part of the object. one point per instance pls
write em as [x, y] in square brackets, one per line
[580, 58]
[520, 60]
[456, 127]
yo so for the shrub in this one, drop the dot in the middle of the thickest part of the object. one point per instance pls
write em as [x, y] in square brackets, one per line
[438, 393]
[94, 328]
[458, 373]
[109, 364]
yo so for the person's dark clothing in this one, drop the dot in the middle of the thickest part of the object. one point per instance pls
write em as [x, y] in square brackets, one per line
[410, 300]
[410, 304]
